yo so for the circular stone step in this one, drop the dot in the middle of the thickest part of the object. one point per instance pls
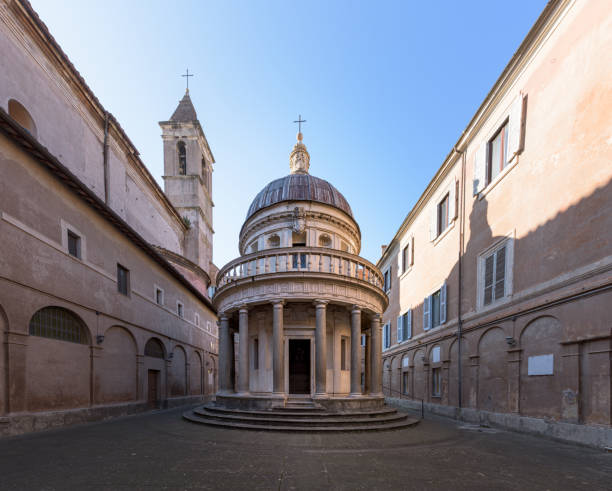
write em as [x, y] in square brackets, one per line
[308, 421]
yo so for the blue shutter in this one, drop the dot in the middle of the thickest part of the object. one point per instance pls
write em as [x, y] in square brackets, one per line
[427, 313]
[400, 333]
[443, 304]
[408, 325]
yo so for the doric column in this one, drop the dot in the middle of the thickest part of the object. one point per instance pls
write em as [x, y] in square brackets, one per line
[225, 355]
[367, 356]
[376, 355]
[278, 359]
[355, 351]
[243, 347]
[321, 349]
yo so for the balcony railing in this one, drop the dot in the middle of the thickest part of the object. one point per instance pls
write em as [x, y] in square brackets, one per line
[300, 259]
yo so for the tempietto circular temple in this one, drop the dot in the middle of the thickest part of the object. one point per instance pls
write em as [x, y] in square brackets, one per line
[300, 310]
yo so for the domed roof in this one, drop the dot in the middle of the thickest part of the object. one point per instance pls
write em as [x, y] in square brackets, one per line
[299, 187]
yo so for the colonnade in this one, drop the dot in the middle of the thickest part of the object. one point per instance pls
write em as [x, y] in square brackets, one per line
[373, 352]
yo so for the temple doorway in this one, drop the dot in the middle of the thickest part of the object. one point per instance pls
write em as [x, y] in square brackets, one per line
[299, 366]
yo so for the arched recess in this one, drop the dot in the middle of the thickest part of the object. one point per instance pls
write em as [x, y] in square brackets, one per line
[406, 384]
[22, 116]
[155, 369]
[195, 373]
[453, 373]
[420, 378]
[396, 376]
[387, 376]
[493, 371]
[178, 373]
[182, 158]
[540, 388]
[116, 373]
[59, 339]
[211, 382]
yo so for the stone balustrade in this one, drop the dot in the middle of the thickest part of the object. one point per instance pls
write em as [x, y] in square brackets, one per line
[300, 260]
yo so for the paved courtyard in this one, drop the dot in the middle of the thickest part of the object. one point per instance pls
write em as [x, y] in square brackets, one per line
[161, 451]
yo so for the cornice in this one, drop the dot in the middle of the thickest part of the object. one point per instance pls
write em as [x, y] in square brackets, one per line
[532, 41]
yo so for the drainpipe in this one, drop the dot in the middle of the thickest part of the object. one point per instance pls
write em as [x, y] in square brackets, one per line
[105, 159]
[459, 280]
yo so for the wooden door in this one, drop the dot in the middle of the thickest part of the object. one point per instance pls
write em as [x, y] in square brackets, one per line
[153, 388]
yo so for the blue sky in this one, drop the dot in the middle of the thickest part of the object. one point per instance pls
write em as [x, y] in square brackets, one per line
[386, 88]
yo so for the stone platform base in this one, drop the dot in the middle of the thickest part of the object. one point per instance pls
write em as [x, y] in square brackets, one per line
[300, 414]
[273, 401]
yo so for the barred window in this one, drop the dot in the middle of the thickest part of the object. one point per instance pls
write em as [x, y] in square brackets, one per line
[154, 348]
[58, 323]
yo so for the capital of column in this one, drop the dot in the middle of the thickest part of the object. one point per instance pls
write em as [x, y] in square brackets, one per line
[278, 304]
[355, 309]
[321, 304]
[243, 309]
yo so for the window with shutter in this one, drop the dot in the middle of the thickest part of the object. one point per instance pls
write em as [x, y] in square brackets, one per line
[443, 304]
[400, 333]
[412, 250]
[443, 215]
[405, 259]
[426, 313]
[407, 325]
[495, 275]
[497, 157]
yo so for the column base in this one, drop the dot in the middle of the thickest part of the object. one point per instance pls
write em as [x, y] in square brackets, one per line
[320, 395]
[355, 394]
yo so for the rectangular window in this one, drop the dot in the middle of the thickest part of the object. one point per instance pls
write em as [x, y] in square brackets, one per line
[197, 320]
[435, 309]
[405, 261]
[497, 154]
[387, 279]
[74, 244]
[405, 382]
[123, 280]
[343, 353]
[386, 335]
[159, 296]
[495, 275]
[442, 215]
[407, 325]
[412, 250]
[255, 354]
[180, 309]
[363, 340]
[436, 382]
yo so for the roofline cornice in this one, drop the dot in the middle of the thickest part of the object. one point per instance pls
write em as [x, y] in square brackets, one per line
[23, 9]
[534, 38]
[24, 140]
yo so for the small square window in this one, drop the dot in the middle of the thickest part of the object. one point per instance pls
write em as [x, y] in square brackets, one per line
[123, 280]
[180, 309]
[159, 296]
[74, 244]
[442, 215]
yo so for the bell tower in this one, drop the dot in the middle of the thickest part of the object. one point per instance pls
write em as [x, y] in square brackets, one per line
[188, 168]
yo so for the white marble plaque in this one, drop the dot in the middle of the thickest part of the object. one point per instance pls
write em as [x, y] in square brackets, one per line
[540, 365]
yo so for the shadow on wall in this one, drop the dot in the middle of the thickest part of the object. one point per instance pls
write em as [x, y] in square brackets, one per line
[494, 359]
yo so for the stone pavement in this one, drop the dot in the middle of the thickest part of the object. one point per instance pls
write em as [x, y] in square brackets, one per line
[162, 451]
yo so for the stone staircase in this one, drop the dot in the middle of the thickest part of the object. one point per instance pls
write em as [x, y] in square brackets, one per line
[300, 416]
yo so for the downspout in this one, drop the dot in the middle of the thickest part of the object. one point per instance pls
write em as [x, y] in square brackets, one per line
[105, 159]
[460, 279]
